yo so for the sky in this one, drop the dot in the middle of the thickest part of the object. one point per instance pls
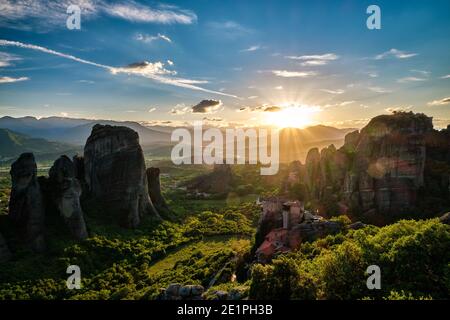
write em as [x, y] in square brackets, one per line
[288, 63]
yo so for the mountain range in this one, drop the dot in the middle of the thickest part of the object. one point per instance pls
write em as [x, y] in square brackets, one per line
[58, 134]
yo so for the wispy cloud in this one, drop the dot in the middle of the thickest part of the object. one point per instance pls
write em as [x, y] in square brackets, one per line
[315, 60]
[151, 110]
[293, 74]
[252, 48]
[155, 71]
[439, 102]
[135, 12]
[150, 38]
[227, 29]
[338, 91]
[379, 90]
[11, 80]
[446, 76]
[6, 58]
[395, 53]
[44, 15]
[411, 79]
[179, 109]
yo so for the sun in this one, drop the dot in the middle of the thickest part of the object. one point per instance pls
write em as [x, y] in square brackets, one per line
[290, 116]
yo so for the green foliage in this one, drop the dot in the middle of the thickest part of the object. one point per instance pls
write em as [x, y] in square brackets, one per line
[413, 257]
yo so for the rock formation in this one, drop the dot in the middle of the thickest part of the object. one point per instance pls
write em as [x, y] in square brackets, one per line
[217, 182]
[4, 251]
[154, 189]
[115, 173]
[66, 196]
[387, 168]
[177, 291]
[26, 208]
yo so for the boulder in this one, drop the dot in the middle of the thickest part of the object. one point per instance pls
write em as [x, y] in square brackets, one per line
[115, 174]
[445, 218]
[66, 196]
[26, 208]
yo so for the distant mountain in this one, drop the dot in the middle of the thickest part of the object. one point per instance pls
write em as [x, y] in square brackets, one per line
[12, 144]
[295, 143]
[75, 131]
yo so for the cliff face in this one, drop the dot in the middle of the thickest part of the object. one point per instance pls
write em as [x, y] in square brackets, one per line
[115, 173]
[26, 207]
[66, 196]
[389, 167]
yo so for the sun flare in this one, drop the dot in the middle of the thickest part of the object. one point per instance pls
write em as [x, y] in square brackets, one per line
[290, 116]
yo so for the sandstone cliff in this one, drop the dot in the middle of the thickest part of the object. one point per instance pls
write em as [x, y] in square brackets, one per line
[66, 196]
[26, 207]
[391, 167]
[115, 173]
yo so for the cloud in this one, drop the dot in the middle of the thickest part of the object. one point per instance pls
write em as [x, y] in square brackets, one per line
[252, 97]
[379, 90]
[179, 109]
[86, 81]
[252, 48]
[207, 106]
[44, 15]
[154, 71]
[149, 38]
[278, 88]
[439, 102]
[293, 74]
[422, 72]
[6, 58]
[339, 104]
[170, 62]
[411, 79]
[315, 60]
[213, 119]
[144, 68]
[338, 91]
[446, 76]
[396, 54]
[135, 12]
[227, 29]
[11, 80]
[151, 110]
[272, 109]
[326, 56]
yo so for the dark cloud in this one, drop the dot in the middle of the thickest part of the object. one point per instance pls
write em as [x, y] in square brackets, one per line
[207, 106]
[272, 109]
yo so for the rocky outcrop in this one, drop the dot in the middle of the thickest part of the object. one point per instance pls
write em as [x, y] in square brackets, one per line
[285, 240]
[5, 254]
[26, 208]
[154, 189]
[217, 182]
[177, 291]
[391, 167]
[66, 196]
[115, 173]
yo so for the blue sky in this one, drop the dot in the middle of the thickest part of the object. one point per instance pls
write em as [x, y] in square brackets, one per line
[315, 61]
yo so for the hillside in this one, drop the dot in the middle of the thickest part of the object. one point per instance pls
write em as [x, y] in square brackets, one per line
[75, 131]
[12, 144]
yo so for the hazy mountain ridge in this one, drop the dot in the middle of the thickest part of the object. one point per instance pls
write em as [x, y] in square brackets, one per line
[74, 131]
[13, 144]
